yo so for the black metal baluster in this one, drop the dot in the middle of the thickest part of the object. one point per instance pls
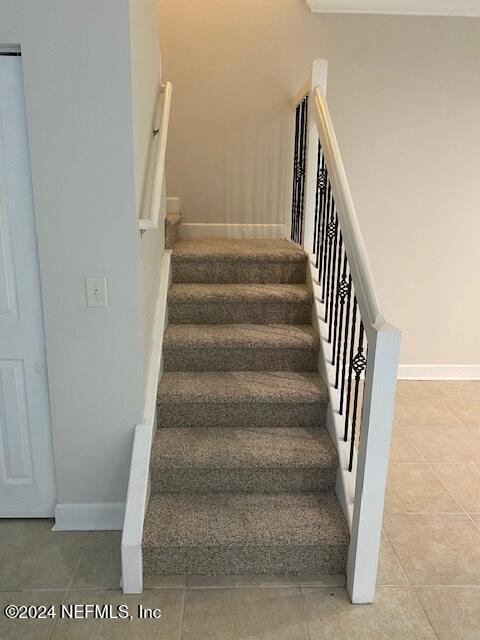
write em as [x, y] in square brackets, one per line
[295, 179]
[300, 173]
[345, 343]
[304, 167]
[350, 367]
[337, 301]
[331, 233]
[359, 364]
[316, 225]
[343, 291]
[323, 181]
[333, 284]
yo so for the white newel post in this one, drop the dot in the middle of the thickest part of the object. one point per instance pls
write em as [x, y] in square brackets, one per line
[373, 457]
[319, 77]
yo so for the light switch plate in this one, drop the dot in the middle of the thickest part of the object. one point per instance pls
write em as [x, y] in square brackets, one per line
[96, 291]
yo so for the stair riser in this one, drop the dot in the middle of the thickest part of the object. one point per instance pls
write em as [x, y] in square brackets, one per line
[242, 359]
[242, 480]
[283, 560]
[259, 415]
[213, 271]
[199, 311]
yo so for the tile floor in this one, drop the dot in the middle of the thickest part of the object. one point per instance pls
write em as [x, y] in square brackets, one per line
[429, 575]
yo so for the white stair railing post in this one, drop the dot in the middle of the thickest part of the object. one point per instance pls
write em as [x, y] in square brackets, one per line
[319, 77]
[373, 458]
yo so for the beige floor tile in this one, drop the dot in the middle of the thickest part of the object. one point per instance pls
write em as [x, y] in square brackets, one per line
[402, 449]
[164, 582]
[99, 566]
[454, 612]
[476, 518]
[34, 557]
[28, 629]
[407, 389]
[415, 488]
[445, 444]
[442, 389]
[463, 480]
[467, 409]
[238, 614]
[396, 615]
[197, 582]
[167, 627]
[390, 572]
[320, 580]
[436, 549]
[424, 412]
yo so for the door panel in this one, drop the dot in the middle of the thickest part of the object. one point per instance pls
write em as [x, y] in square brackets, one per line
[27, 480]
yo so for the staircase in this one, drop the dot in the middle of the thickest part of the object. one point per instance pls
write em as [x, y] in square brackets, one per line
[242, 468]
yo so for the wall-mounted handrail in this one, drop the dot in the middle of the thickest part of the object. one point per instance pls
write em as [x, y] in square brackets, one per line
[160, 129]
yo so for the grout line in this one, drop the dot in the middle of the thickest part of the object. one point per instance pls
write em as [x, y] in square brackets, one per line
[182, 612]
[430, 464]
[304, 613]
[244, 586]
[415, 595]
[396, 556]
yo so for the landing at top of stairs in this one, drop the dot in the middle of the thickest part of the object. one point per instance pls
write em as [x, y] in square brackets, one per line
[244, 250]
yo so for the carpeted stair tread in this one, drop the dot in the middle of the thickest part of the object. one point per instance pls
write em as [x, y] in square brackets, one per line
[224, 336]
[254, 261]
[240, 347]
[206, 460]
[177, 520]
[243, 534]
[239, 304]
[220, 249]
[188, 387]
[245, 293]
[242, 448]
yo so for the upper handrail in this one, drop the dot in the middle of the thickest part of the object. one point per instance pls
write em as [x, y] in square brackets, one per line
[160, 129]
[351, 233]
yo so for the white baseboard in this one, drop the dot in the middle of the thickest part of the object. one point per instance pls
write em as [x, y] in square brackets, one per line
[173, 205]
[100, 516]
[467, 8]
[192, 230]
[439, 372]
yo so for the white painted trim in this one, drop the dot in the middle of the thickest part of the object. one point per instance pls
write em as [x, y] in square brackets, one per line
[173, 205]
[192, 230]
[439, 372]
[466, 8]
[138, 492]
[100, 516]
[10, 48]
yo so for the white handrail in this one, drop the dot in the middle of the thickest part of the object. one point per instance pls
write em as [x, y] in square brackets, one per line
[160, 129]
[352, 236]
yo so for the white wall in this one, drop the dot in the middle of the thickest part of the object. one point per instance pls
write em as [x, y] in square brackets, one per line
[77, 72]
[405, 97]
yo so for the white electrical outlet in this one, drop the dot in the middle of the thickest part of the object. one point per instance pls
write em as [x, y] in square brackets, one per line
[96, 290]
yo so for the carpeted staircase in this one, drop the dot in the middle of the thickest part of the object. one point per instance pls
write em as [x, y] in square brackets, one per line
[242, 469]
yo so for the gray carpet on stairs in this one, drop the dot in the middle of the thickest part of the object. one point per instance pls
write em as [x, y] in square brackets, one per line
[238, 261]
[240, 347]
[242, 469]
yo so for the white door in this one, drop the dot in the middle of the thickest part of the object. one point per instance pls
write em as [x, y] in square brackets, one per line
[27, 480]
